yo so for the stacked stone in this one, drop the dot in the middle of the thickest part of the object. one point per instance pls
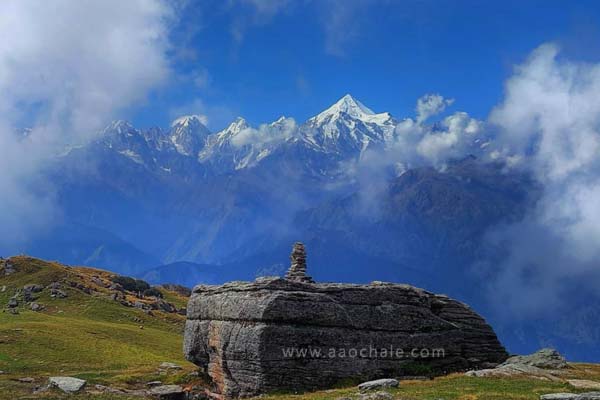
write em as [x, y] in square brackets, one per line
[297, 271]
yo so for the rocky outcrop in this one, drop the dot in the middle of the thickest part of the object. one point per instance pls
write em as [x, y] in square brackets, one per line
[281, 334]
[545, 364]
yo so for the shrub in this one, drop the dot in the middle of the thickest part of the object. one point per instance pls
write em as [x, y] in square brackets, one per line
[131, 284]
[153, 292]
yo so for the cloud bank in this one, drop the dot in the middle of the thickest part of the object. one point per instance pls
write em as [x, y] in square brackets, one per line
[67, 68]
[550, 120]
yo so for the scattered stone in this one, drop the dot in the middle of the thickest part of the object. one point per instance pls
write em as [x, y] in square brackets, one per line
[378, 384]
[162, 305]
[108, 389]
[27, 296]
[67, 384]
[9, 268]
[168, 365]
[117, 287]
[168, 392]
[584, 384]
[54, 285]
[376, 396]
[117, 296]
[3, 288]
[57, 293]
[297, 271]
[571, 396]
[26, 380]
[37, 307]
[544, 358]
[182, 311]
[244, 334]
[85, 289]
[97, 281]
[343, 398]
[140, 305]
[13, 311]
[154, 383]
[33, 288]
[13, 302]
[558, 396]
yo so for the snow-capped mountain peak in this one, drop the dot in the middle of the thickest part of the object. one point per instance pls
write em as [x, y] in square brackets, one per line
[238, 125]
[187, 120]
[346, 105]
[119, 126]
[188, 134]
[348, 126]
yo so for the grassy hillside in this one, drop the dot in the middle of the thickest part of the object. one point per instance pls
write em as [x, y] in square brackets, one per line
[90, 336]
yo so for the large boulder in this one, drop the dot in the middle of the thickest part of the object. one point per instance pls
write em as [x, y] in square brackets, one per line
[281, 334]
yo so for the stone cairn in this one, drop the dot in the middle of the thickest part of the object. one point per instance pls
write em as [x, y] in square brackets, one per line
[297, 271]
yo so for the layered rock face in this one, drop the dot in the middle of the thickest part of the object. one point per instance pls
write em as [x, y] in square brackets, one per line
[284, 334]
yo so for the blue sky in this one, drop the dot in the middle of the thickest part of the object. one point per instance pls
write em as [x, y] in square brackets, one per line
[262, 59]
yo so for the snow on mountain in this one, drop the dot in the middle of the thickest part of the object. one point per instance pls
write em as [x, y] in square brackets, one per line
[343, 131]
[188, 134]
[240, 146]
[349, 127]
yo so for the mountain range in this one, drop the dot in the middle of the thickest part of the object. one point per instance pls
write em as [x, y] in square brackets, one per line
[186, 205]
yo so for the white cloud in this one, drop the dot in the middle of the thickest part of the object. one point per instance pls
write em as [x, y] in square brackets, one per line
[65, 69]
[550, 120]
[417, 143]
[430, 105]
[266, 134]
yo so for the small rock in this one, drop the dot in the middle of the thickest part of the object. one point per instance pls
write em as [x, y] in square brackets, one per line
[571, 396]
[54, 285]
[376, 396]
[26, 380]
[27, 296]
[558, 396]
[163, 306]
[97, 281]
[9, 268]
[13, 302]
[37, 307]
[168, 392]
[154, 383]
[344, 398]
[378, 384]
[33, 288]
[108, 389]
[13, 311]
[67, 384]
[583, 384]
[57, 293]
[3, 288]
[116, 286]
[168, 365]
